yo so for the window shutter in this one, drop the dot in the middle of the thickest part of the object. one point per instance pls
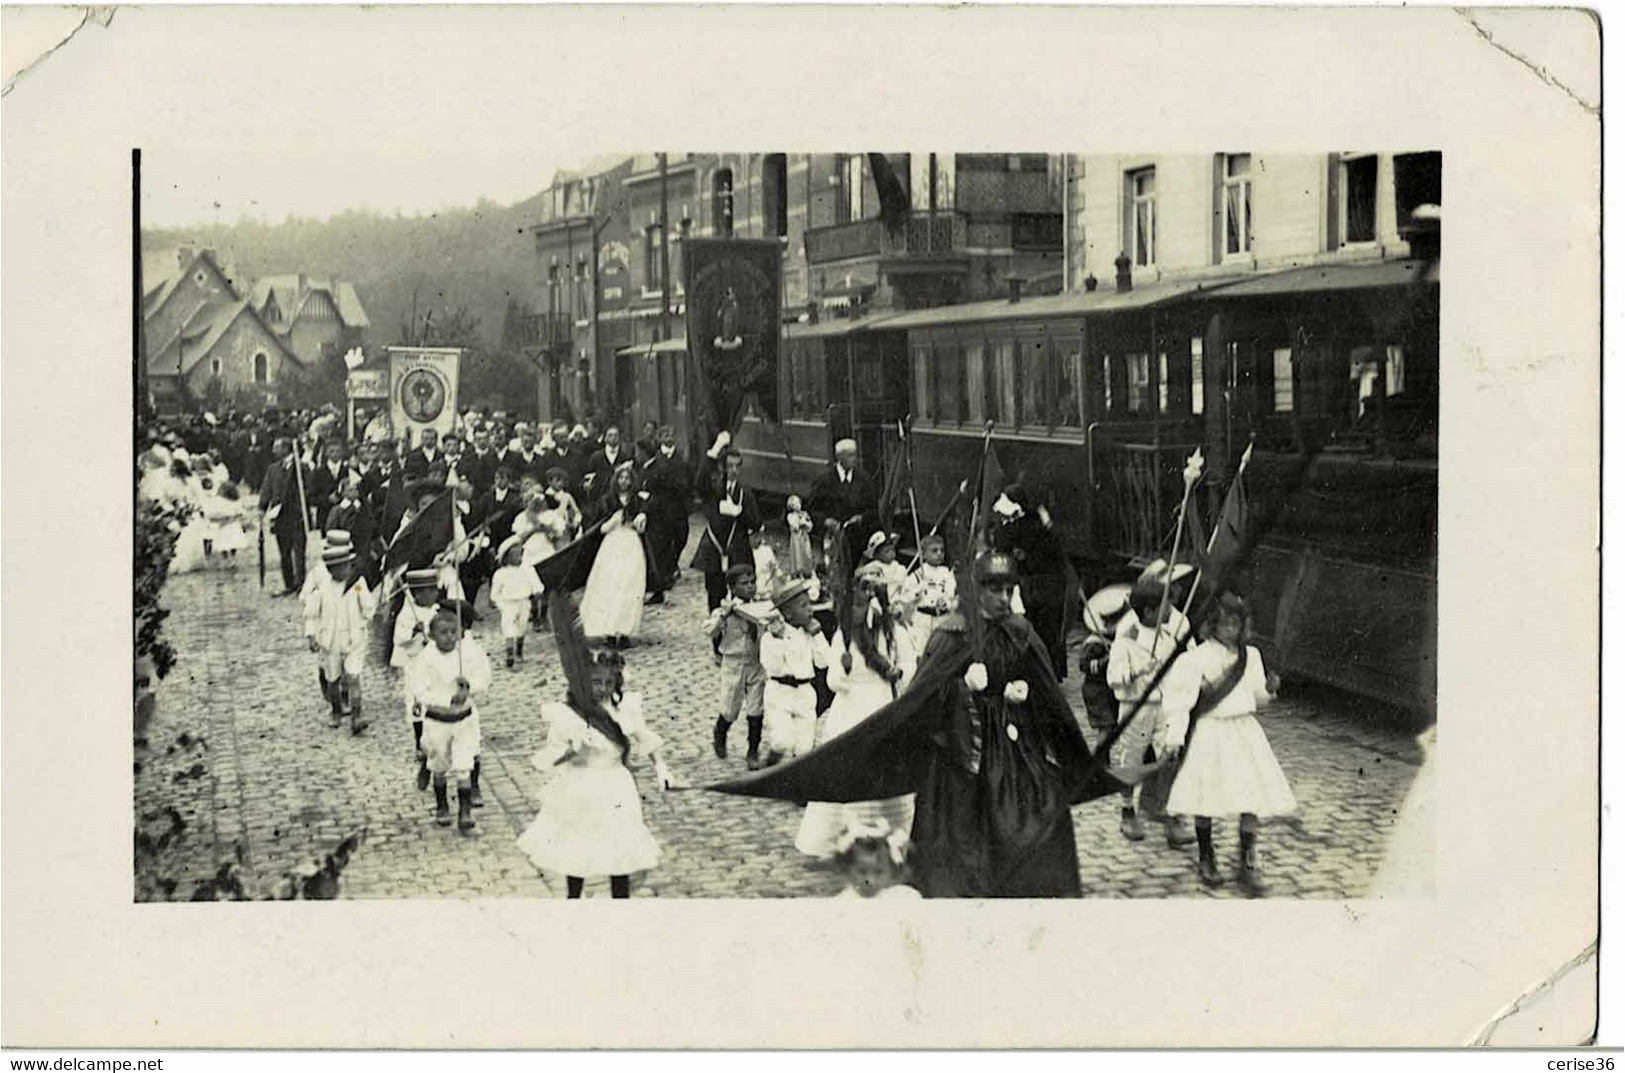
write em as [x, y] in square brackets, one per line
[1334, 219]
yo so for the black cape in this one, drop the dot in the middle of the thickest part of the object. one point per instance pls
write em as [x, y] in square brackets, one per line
[988, 817]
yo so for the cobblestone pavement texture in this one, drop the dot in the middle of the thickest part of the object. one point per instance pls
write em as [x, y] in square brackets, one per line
[242, 751]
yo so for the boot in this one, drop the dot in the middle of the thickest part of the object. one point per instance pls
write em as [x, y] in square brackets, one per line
[1249, 877]
[465, 810]
[335, 703]
[1179, 831]
[753, 743]
[513, 650]
[423, 773]
[1207, 866]
[719, 738]
[519, 650]
[358, 723]
[474, 798]
[442, 807]
[1130, 825]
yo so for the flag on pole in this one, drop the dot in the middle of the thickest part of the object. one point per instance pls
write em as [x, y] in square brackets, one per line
[896, 473]
[1218, 552]
[426, 536]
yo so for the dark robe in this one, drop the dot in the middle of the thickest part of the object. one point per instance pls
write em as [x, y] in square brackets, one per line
[1048, 582]
[992, 817]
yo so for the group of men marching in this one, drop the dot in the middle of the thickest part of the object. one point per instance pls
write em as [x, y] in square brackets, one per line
[369, 488]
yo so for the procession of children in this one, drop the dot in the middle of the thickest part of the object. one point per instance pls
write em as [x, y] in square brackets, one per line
[807, 647]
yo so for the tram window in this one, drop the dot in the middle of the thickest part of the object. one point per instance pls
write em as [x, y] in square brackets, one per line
[975, 385]
[1105, 384]
[1068, 386]
[1139, 383]
[1001, 403]
[1162, 383]
[925, 402]
[1034, 386]
[950, 383]
[1196, 374]
[1283, 380]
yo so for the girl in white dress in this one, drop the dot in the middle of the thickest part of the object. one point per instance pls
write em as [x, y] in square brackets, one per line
[224, 511]
[514, 588]
[1227, 769]
[865, 675]
[874, 858]
[590, 821]
[185, 490]
[612, 604]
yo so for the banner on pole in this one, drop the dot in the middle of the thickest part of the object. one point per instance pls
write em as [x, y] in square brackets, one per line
[732, 289]
[423, 388]
[368, 384]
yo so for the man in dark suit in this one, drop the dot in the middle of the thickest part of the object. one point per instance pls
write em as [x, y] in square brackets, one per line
[417, 462]
[730, 518]
[600, 464]
[283, 500]
[562, 455]
[324, 482]
[479, 463]
[670, 487]
[848, 496]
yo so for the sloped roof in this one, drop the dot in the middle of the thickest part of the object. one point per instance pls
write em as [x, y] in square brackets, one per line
[593, 166]
[203, 330]
[291, 300]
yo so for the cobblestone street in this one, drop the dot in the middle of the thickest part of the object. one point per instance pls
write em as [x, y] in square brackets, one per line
[241, 749]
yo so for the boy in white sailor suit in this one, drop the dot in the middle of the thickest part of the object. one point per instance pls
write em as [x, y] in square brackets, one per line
[337, 613]
[443, 680]
[793, 647]
[411, 638]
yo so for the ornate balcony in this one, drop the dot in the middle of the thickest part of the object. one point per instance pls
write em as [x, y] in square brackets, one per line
[925, 235]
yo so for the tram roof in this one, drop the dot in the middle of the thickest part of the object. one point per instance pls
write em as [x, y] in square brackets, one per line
[1071, 303]
[1334, 277]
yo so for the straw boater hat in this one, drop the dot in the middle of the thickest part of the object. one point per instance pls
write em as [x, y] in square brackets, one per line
[789, 591]
[337, 549]
[422, 579]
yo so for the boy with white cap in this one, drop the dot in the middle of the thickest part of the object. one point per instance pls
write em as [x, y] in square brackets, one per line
[791, 650]
[411, 638]
[513, 588]
[442, 680]
[337, 612]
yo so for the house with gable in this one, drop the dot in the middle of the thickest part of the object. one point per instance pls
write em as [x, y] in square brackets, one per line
[315, 318]
[201, 332]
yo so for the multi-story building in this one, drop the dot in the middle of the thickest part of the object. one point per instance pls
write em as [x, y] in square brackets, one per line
[967, 225]
[1176, 216]
[576, 311]
[317, 319]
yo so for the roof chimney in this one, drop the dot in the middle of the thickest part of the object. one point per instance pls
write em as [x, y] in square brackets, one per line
[1125, 274]
[184, 256]
[1090, 283]
[1422, 231]
[1015, 287]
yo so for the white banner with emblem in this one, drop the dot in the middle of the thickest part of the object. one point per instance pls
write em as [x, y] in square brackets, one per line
[423, 388]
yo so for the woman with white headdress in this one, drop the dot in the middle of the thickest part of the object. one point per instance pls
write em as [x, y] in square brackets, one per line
[612, 605]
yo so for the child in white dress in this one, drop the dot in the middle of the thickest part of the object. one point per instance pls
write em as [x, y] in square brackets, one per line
[936, 590]
[865, 675]
[799, 524]
[765, 560]
[874, 858]
[590, 820]
[1227, 768]
[514, 589]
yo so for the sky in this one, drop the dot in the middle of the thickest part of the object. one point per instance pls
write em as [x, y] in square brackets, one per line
[184, 187]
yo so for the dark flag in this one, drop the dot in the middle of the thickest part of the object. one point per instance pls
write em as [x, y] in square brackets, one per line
[894, 199]
[896, 471]
[1218, 554]
[732, 288]
[425, 537]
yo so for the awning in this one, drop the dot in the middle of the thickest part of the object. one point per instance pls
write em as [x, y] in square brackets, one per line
[826, 329]
[1069, 304]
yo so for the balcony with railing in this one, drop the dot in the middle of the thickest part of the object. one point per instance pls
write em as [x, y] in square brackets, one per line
[545, 329]
[924, 236]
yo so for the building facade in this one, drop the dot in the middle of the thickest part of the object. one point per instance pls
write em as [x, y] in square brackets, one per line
[205, 341]
[1178, 216]
[316, 318]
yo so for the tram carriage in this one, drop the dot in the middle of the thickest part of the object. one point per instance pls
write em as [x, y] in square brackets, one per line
[1097, 398]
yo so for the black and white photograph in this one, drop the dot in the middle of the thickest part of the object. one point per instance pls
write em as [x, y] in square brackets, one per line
[982, 526]
[956, 525]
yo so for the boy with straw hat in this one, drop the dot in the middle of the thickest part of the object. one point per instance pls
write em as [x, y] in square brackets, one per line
[337, 613]
[793, 647]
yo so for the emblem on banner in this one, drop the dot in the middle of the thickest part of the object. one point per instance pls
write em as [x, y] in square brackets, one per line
[423, 395]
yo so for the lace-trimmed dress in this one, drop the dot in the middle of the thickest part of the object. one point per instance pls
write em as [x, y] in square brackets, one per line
[590, 821]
